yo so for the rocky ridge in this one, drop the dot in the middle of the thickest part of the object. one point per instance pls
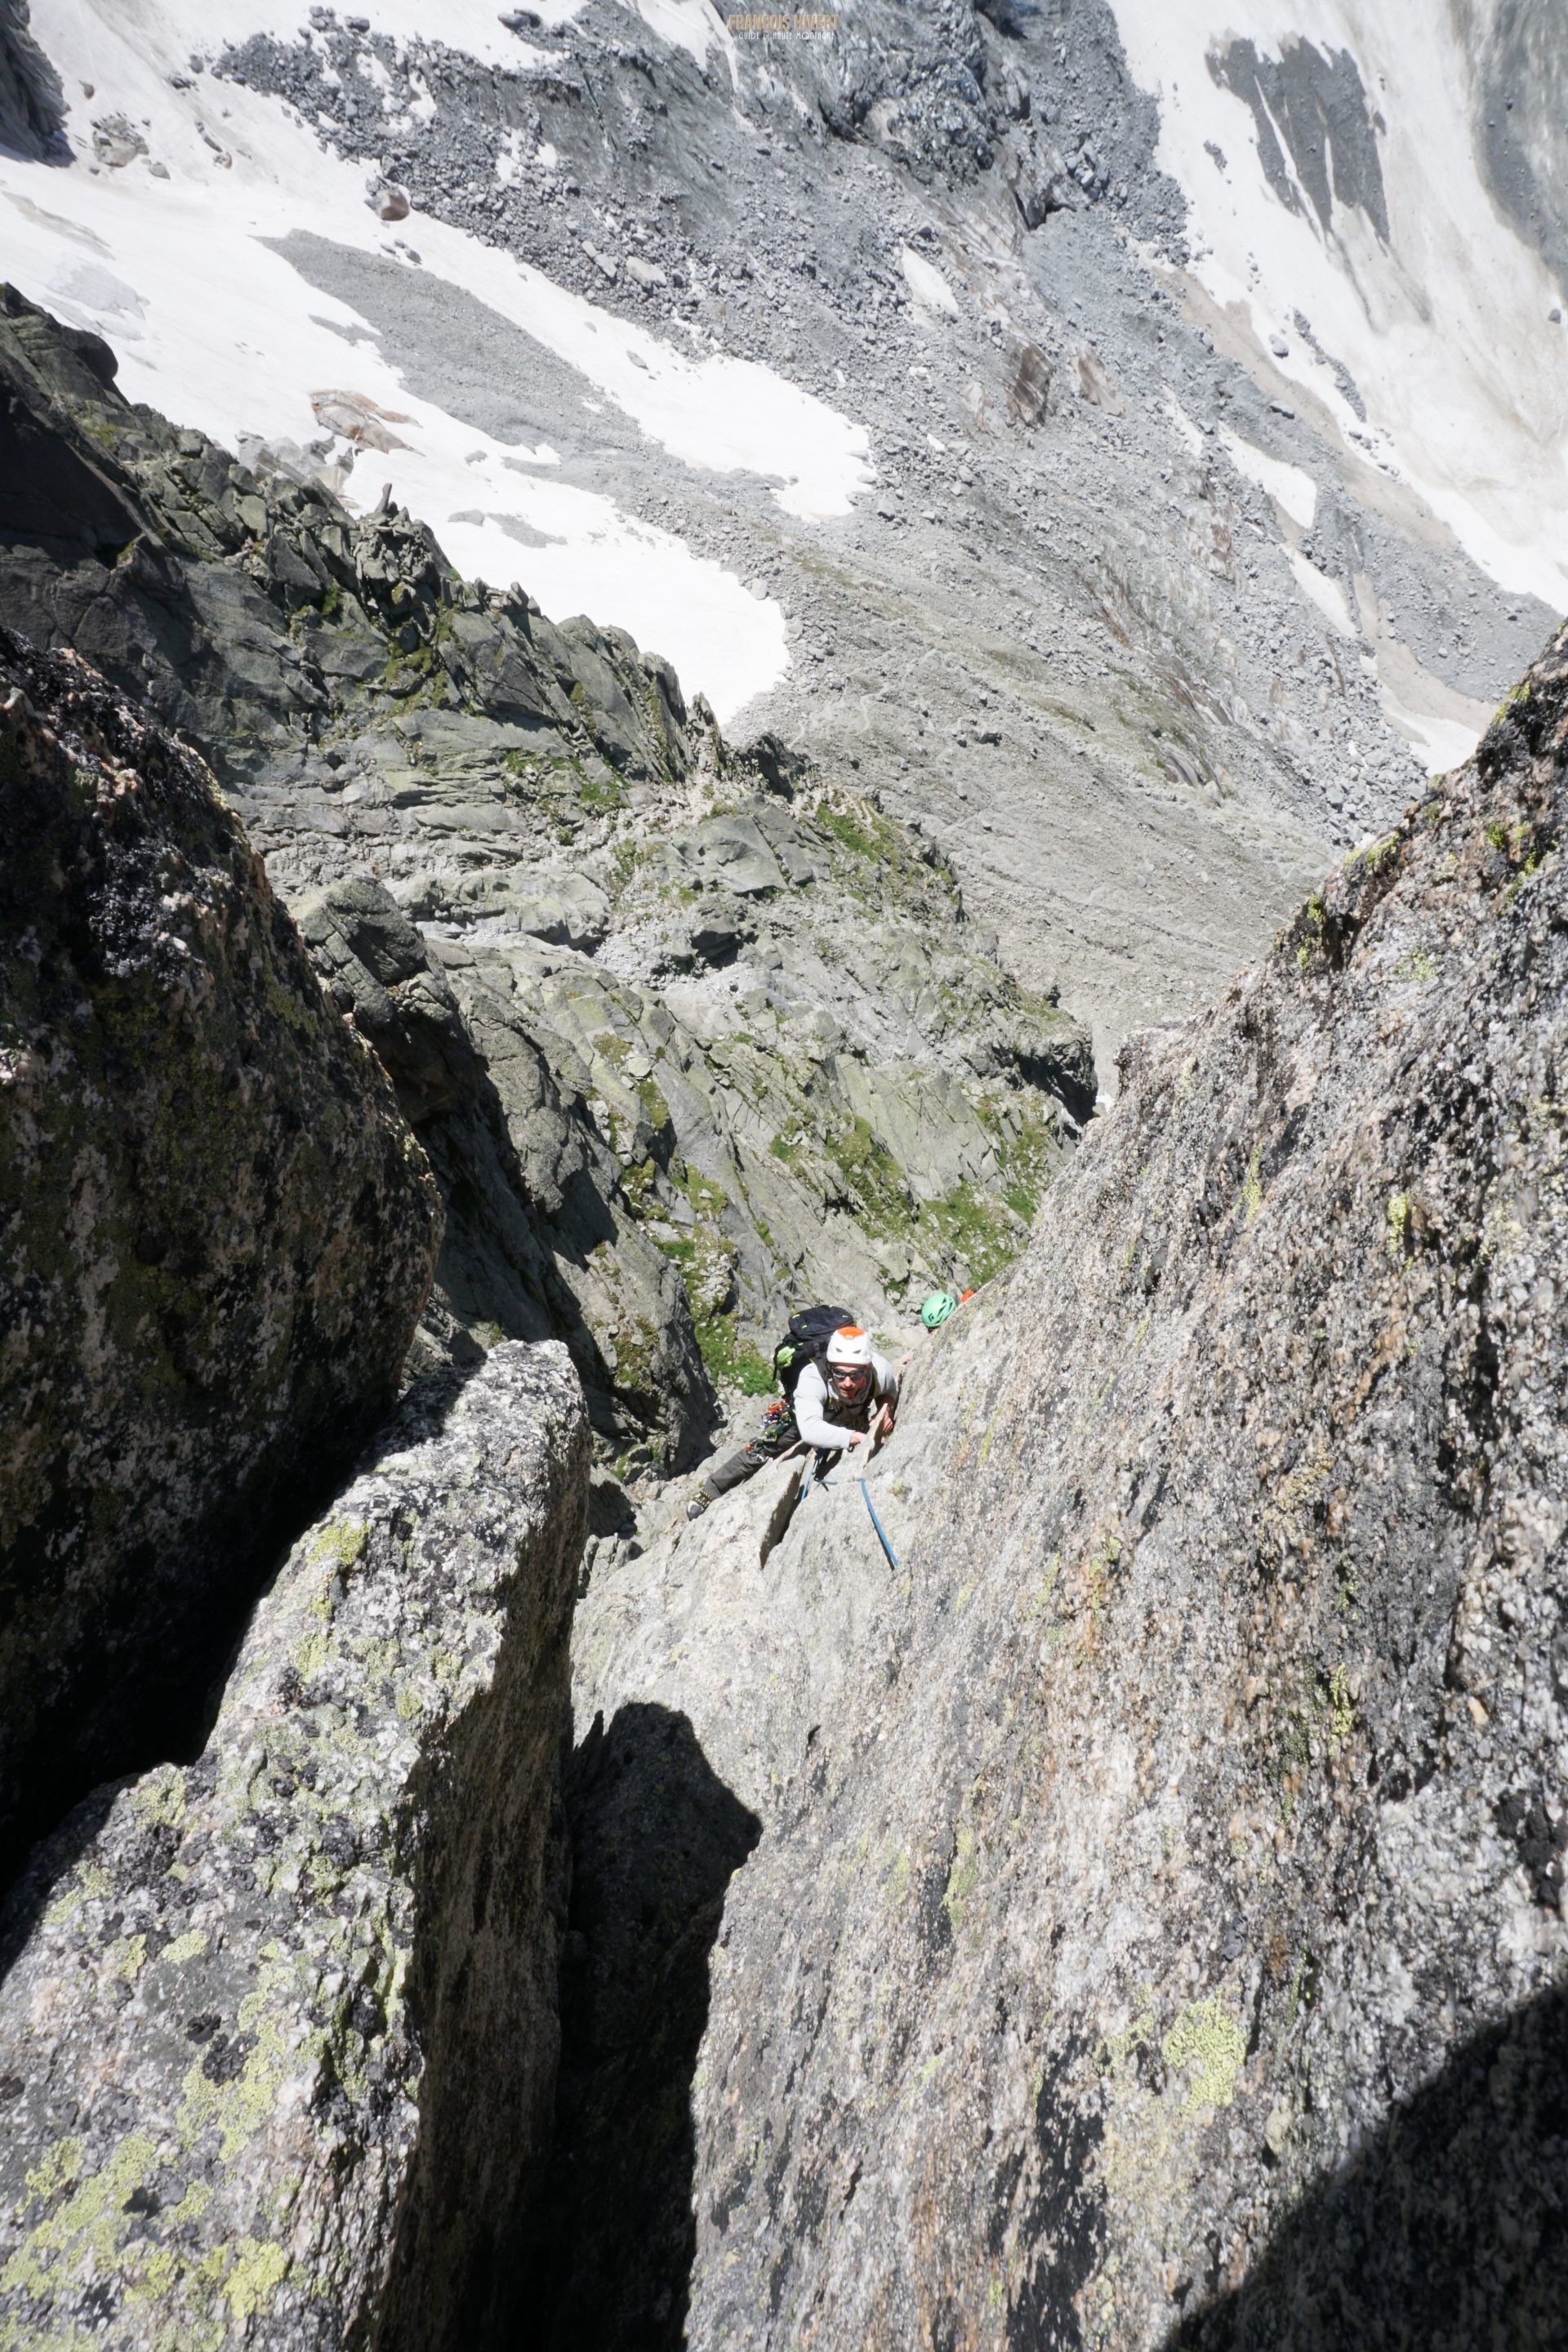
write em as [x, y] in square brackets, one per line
[1155, 1933]
[666, 1018]
[1126, 1909]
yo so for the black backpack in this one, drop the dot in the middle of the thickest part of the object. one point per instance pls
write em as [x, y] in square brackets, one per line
[806, 1342]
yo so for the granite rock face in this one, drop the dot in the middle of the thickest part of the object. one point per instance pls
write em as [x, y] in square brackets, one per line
[1156, 1931]
[277, 2038]
[217, 1231]
[696, 1666]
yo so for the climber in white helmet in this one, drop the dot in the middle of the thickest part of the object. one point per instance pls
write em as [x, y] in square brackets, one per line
[840, 1401]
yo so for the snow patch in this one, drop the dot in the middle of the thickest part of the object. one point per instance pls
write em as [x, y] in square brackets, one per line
[932, 292]
[1293, 492]
[1327, 594]
[691, 25]
[1190, 439]
[219, 331]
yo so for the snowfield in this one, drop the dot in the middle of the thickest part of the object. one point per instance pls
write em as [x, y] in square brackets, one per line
[174, 267]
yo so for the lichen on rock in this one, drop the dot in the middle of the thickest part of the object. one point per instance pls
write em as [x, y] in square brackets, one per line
[278, 2035]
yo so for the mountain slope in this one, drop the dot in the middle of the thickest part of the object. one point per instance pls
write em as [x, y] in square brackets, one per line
[1092, 1874]
[965, 392]
[686, 1033]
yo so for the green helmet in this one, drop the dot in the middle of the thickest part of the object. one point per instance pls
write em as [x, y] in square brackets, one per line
[937, 1308]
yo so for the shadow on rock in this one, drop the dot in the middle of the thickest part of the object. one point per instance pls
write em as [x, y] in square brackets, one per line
[1448, 2231]
[656, 1838]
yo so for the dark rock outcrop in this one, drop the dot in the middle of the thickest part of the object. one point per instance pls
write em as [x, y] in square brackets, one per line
[277, 2040]
[32, 103]
[216, 1233]
[1158, 1930]
[264, 620]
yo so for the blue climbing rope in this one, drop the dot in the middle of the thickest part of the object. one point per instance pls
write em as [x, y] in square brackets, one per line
[876, 1522]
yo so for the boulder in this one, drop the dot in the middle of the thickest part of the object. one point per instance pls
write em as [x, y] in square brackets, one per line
[277, 2037]
[216, 1232]
[117, 142]
[1038, 173]
[733, 852]
[566, 909]
[374, 961]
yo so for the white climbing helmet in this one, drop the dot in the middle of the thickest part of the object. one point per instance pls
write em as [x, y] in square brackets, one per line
[850, 1346]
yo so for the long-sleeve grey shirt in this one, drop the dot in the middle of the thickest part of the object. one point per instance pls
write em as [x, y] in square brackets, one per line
[813, 1399]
